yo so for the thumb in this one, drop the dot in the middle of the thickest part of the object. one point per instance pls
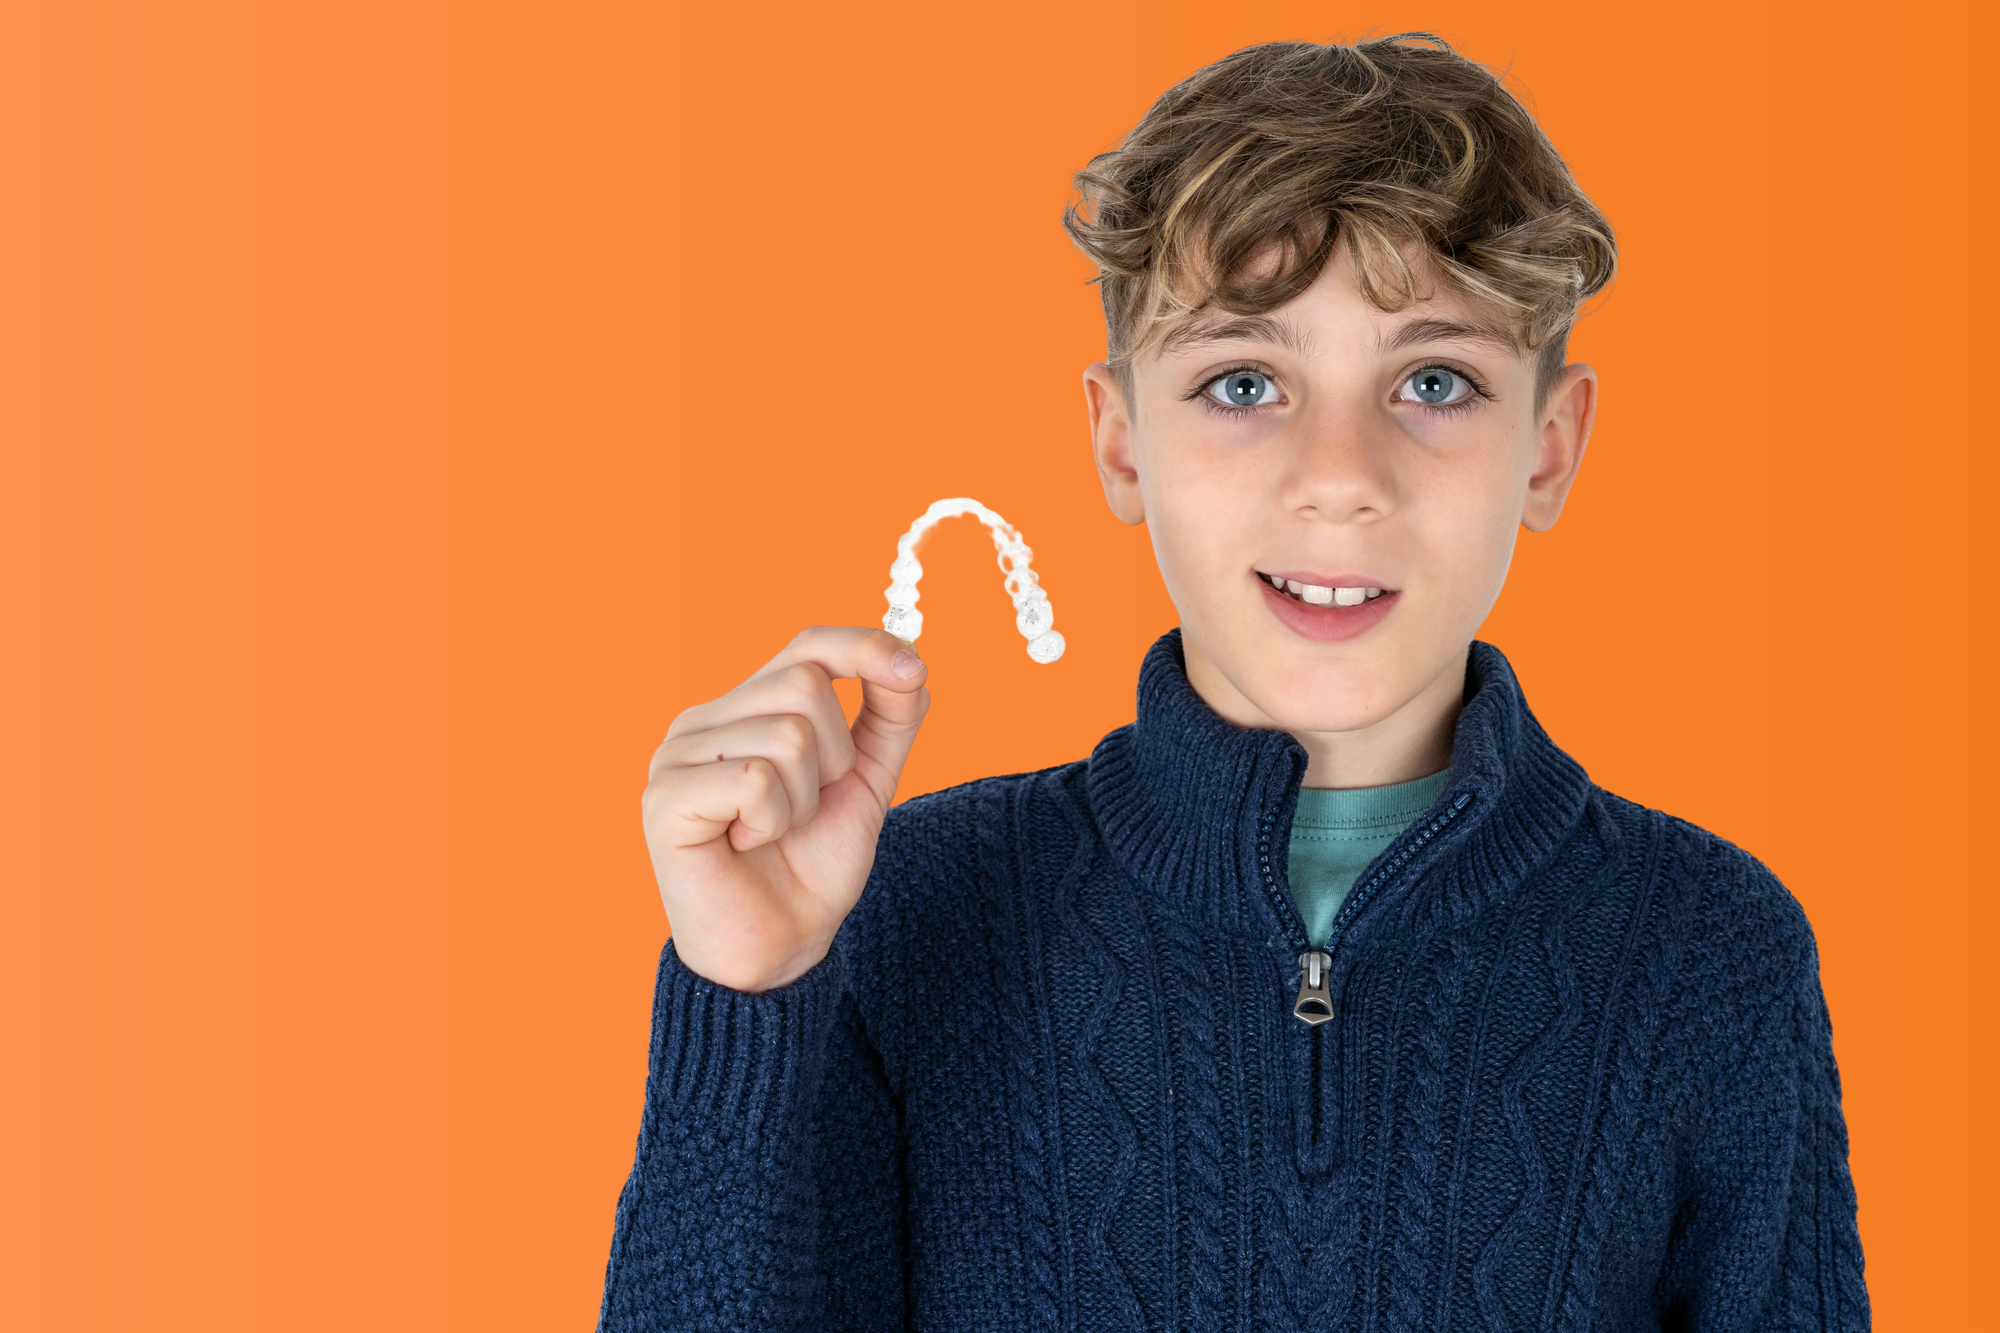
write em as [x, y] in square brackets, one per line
[894, 699]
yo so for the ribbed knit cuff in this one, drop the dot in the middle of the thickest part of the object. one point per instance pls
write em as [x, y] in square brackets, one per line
[729, 1057]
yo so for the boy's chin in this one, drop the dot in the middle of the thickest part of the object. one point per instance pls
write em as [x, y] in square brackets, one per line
[1333, 688]
[1323, 720]
[1309, 693]
[1265, 675]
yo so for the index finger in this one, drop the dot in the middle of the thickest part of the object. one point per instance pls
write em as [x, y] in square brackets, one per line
[893, 698]
[852, 652]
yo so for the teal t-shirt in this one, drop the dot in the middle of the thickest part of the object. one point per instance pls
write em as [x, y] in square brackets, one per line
[1336, 833]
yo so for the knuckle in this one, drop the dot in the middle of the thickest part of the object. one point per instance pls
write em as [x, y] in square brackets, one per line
[809, 634]
[658, 797]
[796, 737]
[762, 775]
[804, 681]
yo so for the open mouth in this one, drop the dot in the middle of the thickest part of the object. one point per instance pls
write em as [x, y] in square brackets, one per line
[1313, 594]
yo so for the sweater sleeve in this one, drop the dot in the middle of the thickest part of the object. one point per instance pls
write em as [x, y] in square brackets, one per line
[1766, 1238]
[766, 1192]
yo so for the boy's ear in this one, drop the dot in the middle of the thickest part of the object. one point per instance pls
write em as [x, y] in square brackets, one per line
[1111, 442]
[1565, 432]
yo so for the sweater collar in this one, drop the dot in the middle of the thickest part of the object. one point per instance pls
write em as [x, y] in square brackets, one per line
[1183, 796]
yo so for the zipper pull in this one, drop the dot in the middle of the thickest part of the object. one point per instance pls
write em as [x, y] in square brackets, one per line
[1315, 1003]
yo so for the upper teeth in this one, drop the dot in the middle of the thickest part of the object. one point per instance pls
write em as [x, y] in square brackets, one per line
[1318, 596]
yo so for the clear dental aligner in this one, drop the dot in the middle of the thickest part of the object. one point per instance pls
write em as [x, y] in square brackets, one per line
[1033, 615]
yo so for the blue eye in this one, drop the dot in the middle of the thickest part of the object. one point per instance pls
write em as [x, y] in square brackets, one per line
[1434, 385]
[1242, 388]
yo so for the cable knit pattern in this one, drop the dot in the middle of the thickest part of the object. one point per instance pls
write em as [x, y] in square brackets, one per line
[1029, 1050]
[1202, 1189]
[1579, 1077]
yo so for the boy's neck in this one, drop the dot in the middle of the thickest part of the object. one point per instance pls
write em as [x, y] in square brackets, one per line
[1412, 742]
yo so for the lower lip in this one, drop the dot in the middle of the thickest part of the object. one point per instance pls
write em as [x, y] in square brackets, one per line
[1327, 624]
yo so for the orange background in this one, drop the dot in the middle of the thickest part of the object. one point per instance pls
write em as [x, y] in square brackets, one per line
[407, 409]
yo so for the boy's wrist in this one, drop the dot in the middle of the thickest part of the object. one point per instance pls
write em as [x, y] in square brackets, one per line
[734, 969]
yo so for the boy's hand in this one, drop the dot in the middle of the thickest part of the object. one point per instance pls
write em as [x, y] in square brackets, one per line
[762, 808]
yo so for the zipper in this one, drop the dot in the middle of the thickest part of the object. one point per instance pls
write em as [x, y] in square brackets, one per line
[1314, 1004]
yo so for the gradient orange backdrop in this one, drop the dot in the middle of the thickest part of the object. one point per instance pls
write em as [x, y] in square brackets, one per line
[406, 409]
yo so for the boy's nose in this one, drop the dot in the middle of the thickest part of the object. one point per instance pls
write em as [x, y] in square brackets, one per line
[1340, 472]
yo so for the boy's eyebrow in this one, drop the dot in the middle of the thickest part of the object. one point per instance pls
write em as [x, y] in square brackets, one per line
[1450, 330]
[1282, 332]
[1241, 328]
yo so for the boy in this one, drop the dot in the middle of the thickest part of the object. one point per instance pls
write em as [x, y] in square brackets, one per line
[1330, 994]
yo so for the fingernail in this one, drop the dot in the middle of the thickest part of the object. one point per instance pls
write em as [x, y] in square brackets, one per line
[906, 664]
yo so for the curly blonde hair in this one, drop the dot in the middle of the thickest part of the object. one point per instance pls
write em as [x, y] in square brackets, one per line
[1236, 187]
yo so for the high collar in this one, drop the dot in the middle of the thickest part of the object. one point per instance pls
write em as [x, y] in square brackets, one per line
[1182, 795]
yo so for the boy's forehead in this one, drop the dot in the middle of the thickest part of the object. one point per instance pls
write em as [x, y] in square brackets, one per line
[1335, 311]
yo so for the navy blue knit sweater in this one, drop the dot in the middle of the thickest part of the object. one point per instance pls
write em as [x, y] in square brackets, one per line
[1579, 1075]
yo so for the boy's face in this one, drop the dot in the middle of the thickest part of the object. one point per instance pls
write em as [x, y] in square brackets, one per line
[1342, 450]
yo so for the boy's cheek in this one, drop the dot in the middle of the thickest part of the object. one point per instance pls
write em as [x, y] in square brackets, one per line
[1201, 537]
[1468, 557]
[1183, 553]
